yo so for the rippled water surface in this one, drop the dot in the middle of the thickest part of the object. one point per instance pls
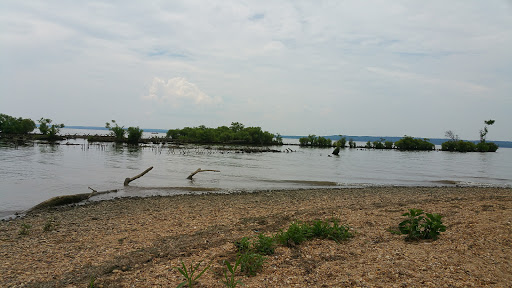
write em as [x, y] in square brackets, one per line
[35, 172]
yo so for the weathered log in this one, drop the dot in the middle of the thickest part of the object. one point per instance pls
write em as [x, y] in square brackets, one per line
[67, 199]
[128, 180]
[199, 170]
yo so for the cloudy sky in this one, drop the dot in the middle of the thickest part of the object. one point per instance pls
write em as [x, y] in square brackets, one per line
[382, 68]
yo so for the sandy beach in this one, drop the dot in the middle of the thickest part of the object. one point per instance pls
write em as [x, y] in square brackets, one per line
[139, 242]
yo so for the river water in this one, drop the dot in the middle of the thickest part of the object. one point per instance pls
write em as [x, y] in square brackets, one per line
[30, 174]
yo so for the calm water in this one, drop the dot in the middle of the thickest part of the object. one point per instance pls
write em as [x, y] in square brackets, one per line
[34, 173]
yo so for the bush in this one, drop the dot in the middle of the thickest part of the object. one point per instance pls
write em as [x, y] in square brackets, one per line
[11, 125]
[410, 143]
[418, 227]
[116, 131]
[299, 232]
[237, 133]
[134, 135]
[351, 143]
[50, 131]
[486, 147]
[459, 146]
[251, 263]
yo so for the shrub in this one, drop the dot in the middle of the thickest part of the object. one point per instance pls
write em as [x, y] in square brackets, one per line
[418, 227]
[299, 232]
[459, 146]
[264, 245]
[251, 263]
[24, 229]
[11, 125]
[134, 135]
[351, 143]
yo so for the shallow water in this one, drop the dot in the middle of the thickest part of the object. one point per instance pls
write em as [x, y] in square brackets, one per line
[36, 172]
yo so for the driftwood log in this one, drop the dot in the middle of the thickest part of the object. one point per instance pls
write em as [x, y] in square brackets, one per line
[199, 170]
[67, 199]
[128, 180]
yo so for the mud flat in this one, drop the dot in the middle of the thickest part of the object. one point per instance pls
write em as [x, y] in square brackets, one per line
[138, 242]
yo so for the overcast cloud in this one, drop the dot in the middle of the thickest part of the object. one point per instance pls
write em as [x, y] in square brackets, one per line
[382, 68]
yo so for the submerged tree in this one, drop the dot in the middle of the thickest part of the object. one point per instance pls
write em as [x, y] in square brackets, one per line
[483, 132]
[12, 125]
[116, 131]
[49, 130]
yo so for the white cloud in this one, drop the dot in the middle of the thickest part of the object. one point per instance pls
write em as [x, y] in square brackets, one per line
[177, 92]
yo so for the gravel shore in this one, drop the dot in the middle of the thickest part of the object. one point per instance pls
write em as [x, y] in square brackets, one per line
[139, 242]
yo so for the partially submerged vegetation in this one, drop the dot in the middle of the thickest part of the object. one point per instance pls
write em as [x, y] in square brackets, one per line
[237, 133]
[455, 144]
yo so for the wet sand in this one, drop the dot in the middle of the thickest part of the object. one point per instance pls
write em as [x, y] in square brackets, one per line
[139, 242]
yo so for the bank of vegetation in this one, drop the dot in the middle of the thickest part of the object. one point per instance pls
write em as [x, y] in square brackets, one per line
[237, 133]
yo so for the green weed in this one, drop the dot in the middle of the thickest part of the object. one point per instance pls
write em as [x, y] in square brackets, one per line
[230, 279]
[190, 279]
[251, 263]
[417, 226]
[24, 229]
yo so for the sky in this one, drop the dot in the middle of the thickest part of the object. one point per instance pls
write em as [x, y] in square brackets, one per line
[377, 68]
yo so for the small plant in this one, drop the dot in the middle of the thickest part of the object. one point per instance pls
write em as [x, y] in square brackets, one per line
[264, 245]
[49, 225]
[230, 279]
[296, 234]
[24, 229]
[91, 283]
[324, 230]
[417, 226]
[251, 263]
[243, 245]
[190, 279]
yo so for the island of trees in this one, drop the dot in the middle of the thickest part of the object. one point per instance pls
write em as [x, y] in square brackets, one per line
[237, 133]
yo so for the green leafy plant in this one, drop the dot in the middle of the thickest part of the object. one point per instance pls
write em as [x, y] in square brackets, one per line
[330, 230]
[416, 226]
[264, 245]
[24, 229]
[117, 131]
[12, 125]
[134, 135]
[49, 225]
[49, 130]
[230, 280]
[91, 283]
[243, 245]
[190, 279]
[297, 233]
[251, 263]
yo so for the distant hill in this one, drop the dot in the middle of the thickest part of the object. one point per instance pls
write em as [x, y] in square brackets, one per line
[436, 141]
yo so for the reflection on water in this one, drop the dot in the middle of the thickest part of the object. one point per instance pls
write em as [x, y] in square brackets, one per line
[33, 173]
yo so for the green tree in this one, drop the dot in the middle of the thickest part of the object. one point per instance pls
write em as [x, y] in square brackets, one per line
[116, 131]
[12, 125]
[48, 129]
[134, 134]
[410, 143]
[484, 131]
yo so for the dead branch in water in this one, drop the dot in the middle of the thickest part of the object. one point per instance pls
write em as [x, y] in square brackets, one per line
[128, 180]
[199, 170]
